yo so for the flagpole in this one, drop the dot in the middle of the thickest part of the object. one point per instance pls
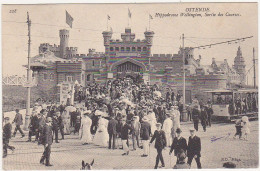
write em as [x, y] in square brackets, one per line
[107, 23]
[149, 21]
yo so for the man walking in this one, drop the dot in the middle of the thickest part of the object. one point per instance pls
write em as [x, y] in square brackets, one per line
[55, 126]
[209, 113]
[195, 117]
[7, 132]
[194, 148]
[124, 135]
[18, 120]
[167, 128]
[203, 118]
[160, 144]
[136, 126]
[145, 134]
[112, 128]
[179, 145]
[47, 142]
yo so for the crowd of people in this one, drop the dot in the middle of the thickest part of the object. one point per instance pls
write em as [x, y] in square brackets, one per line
[116, 115]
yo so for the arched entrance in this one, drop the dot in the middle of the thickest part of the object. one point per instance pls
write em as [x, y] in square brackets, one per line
[128, 68]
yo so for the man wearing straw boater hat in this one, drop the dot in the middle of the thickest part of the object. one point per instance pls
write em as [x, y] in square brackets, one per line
[160, 144]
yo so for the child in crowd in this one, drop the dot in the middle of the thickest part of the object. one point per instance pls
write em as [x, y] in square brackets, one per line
[246, 127]
[238, 125]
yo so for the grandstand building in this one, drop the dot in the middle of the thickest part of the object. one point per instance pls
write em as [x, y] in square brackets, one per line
[132, 58]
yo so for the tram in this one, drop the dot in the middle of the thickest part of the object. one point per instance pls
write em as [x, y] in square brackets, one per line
[229, 105]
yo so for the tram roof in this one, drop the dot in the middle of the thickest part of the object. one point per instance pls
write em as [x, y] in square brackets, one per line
[219, 91]
[230, 91]
[247, 90]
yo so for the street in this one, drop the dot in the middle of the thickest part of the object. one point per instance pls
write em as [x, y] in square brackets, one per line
[69, 153]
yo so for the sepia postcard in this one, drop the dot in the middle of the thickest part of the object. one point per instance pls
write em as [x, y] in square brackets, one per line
[130, 86]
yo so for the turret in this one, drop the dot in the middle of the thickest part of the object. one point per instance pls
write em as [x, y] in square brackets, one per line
[239, 65]
[128, 36]
[107, 37]
[64, 41]
[149, 40]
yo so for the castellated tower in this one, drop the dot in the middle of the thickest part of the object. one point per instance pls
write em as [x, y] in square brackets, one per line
[239, 66]
[64, 41]
[107, 37]
[149, 41]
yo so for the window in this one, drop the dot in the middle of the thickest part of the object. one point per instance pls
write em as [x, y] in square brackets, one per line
[133, 49]
[82, 76]
[139, 49]
[128, 49]
[111, 48]
[51, 76]
[117, 48]
[122, 49]
[144, 49]
[88, 77]
[45, 76]
[93, 63]
[69, 78]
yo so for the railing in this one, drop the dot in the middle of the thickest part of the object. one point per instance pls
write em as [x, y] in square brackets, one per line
[15, 80]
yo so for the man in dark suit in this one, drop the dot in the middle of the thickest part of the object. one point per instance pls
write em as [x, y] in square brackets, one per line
[125, 131]
[145, 134]
[203, 118]
[179, 145]
[195, 117]
[7, 133]
[194, 148]
[33, 126]
[18, 120]
[160, 144]
[112, 131]
[55, 126]
[47, 142]
[209, 113]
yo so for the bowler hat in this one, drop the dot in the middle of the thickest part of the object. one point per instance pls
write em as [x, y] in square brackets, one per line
[158, 124]
[178, 130]
[192, 129]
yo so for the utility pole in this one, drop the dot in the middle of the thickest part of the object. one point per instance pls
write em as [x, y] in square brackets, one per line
[254, 67]
[27, 117]
[184, 112]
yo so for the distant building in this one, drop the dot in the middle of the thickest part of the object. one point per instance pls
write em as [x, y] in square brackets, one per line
[130, 57]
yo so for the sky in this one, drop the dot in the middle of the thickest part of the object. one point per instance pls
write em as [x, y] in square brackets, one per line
[91, 19]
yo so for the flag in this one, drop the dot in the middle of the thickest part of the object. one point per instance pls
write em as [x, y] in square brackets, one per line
[129, 13]
[150, 16]
[108, 17]
[111, 29]
[69, 19]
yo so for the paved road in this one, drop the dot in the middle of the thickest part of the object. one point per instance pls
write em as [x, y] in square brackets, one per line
[69, 153]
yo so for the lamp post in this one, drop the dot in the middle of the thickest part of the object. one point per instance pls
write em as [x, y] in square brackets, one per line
[184, 112]
[27, 116]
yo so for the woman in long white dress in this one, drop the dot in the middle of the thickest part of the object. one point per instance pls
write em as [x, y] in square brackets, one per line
[101, 137]
[85, 133]
[66, 120]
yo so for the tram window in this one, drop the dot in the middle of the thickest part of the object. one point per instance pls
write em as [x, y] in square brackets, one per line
[117, 48]
[144, 48]
[122, 49]
[133, 49]
[111, 48]
[127, 49]
[139, 49]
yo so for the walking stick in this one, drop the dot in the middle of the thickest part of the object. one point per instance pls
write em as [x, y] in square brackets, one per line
[149, 155]
[171, 161]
